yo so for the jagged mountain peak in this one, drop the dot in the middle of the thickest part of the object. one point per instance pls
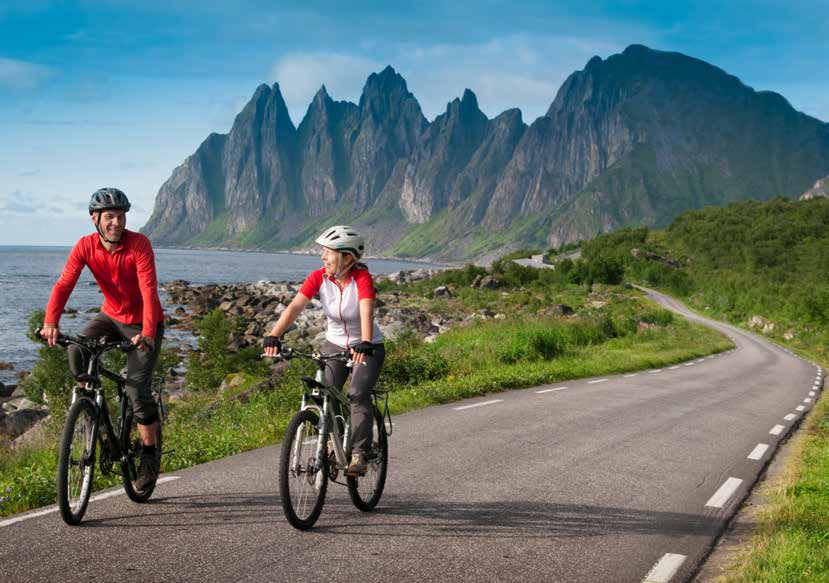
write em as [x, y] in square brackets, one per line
[321, 94]
[386, 86]
[267, 101]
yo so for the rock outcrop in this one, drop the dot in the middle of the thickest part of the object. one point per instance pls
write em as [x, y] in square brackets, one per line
[820, 188]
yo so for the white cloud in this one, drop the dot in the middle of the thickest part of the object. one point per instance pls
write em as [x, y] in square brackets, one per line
[300, 75]
[522, 70]
[22, 75]
[25, 203]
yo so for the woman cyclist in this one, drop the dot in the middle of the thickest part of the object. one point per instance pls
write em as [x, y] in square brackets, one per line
[346, 290]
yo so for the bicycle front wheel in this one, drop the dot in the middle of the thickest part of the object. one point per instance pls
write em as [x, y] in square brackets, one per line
[303, 480]
[365, 491]
[76, 461]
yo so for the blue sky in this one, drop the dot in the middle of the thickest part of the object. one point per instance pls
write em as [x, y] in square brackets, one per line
[110, 93]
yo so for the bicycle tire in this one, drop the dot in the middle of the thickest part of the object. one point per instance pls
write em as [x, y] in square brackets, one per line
[365, 491]
[131, 443]
[301, 489]
[76, 461]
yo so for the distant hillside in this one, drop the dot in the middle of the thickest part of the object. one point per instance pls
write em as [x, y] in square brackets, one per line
[635, 139]
[767, 259]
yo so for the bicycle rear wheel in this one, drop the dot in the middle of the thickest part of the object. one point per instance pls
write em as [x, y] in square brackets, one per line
[365, 491]
[132, 445]
[76, 461]
[303, 482]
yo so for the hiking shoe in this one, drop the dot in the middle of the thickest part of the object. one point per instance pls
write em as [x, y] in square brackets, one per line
[358, 465]
[148, 472]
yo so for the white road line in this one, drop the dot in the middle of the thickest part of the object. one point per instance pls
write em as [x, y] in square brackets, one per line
[790, 417]
[807, 400]
[665, 568]
[478, 405]
[54, 508]
[758, 451]
[655, 371]
[725, 492]
[701, 360]
[689, 364]
[550, 390]
[811, 393]
[777, 430]
[596, 381]
[800, 407]
[630, 376]
[674, 367]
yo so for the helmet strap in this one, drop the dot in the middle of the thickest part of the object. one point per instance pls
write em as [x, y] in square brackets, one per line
[340, 273]
[101, 232]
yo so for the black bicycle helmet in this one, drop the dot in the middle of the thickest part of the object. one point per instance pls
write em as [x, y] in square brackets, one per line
[105, 199]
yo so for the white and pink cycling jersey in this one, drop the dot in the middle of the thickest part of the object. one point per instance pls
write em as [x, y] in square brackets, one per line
[342, 307]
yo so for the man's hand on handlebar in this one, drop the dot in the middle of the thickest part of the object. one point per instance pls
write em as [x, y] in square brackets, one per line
[50, 333]
[272, 346]
[143, 343]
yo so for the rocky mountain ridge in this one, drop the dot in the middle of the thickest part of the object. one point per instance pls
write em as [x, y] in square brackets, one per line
[636, 138]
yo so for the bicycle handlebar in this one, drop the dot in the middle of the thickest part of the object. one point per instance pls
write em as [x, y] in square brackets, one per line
[287, 353]
[92, 344]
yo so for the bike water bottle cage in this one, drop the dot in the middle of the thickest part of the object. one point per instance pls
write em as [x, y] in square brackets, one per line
[312, 383]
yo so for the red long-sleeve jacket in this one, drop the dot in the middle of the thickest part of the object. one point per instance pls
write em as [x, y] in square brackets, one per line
[126, 277]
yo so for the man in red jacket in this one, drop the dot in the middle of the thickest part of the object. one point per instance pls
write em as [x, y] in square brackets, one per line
[123, 264]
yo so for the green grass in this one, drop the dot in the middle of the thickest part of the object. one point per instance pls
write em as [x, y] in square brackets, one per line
[792, 538]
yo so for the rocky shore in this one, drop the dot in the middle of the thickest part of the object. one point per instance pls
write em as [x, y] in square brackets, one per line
[258, 306]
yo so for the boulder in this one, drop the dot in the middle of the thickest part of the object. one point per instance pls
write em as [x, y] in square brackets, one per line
[18, 422]
[486, 282]
[6, 390]
[562, 310]
[6, 365]
[441, 292]
[231, 381]
[37, 434]
[761, 323]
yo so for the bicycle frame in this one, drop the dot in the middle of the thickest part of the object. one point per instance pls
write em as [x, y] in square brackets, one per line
[328, 419]
[112, 444]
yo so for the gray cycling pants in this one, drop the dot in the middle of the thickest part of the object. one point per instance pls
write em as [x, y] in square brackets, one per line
[363, 379]
[140, 363]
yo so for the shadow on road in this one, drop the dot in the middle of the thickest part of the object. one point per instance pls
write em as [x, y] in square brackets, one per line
[198, 510]
[407, 517]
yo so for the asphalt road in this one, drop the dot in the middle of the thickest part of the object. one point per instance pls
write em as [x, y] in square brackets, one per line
[623, 478]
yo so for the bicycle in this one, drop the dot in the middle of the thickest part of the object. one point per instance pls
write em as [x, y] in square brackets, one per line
[88, 424]
[317, 446]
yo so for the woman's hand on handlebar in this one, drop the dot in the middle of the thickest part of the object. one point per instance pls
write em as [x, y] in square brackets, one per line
[272, 346]
[360, 351]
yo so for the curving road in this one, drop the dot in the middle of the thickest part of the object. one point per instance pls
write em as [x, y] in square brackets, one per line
[624, 478]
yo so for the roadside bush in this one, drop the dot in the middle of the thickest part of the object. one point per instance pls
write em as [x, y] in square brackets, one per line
[207, 367]
[531, 341]
[50, 379]
[410, 361]
[658, 316]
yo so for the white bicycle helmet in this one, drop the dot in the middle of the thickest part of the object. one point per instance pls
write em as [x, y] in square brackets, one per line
[343, 238]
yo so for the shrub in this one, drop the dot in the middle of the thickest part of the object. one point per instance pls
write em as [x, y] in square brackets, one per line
[208, 367]
[410, 361]
[50, 378]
